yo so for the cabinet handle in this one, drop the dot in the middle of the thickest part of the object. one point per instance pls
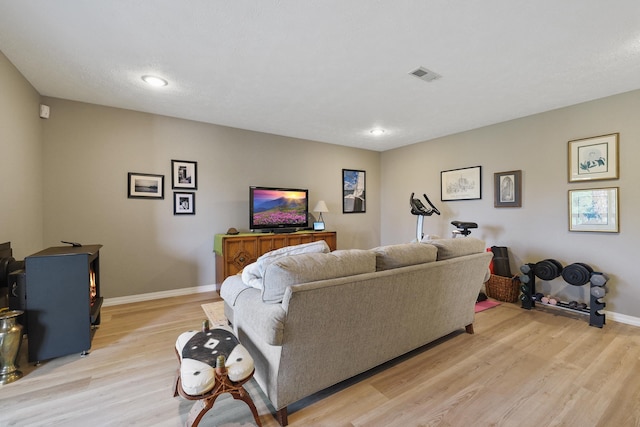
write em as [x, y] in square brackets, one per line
[241, 259]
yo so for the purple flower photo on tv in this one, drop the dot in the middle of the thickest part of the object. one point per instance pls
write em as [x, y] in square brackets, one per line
[278, 208]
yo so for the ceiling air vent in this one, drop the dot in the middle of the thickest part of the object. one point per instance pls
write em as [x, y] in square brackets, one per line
[424, 74]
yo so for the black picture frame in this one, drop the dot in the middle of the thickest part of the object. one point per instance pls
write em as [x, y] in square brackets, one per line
[507, 189]
[461, 184]
[145, 186]
[184, 203]
[354, 192]
[184, 174]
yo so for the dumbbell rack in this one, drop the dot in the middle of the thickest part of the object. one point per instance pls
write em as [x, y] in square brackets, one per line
[595, 310]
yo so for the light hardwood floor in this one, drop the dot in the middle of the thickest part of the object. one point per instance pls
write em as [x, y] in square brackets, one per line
[521, 368]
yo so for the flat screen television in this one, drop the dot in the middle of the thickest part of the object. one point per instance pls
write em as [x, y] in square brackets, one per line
[274, 209]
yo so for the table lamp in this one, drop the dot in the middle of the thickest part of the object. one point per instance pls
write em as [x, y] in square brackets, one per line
[321, 207]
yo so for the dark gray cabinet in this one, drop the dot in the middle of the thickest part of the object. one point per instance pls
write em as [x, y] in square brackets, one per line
[62, 300]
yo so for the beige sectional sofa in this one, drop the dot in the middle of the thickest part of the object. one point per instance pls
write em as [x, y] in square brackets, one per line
[316, 319]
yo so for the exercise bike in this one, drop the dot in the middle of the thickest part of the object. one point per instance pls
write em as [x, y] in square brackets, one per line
[420, 210]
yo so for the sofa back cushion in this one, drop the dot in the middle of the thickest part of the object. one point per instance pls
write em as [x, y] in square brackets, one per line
[453, 248]
[311, 267]
[252, 274]
[267, 259]
[404, 254]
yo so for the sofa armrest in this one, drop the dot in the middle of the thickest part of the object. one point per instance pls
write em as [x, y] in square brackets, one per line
[265, 320]
[231, 289]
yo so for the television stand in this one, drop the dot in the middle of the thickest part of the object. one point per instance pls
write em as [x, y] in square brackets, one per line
[282, 231]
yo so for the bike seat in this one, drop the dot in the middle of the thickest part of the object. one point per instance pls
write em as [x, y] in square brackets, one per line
[464, 225]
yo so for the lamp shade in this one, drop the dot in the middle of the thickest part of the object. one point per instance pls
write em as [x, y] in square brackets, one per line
[321, 206]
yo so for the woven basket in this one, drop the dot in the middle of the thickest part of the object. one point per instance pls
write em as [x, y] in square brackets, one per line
[502, 288]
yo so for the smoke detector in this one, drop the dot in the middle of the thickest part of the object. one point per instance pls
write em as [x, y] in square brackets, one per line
[425, 74]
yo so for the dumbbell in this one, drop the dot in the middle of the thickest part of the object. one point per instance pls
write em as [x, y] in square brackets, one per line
[599, 279]
[599, 291]
[528, 286]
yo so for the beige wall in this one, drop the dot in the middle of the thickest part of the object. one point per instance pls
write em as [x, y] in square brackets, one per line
[89, 150]
[21, 202]
[65, 179]
[538, 230]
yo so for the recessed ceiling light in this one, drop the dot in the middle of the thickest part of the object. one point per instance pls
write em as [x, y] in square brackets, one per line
[377, 132]
[155, 81]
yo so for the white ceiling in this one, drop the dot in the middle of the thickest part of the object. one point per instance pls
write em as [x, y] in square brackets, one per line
[328, 70]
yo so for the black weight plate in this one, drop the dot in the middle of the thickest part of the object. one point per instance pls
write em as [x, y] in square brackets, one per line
[577, 274]
[547, 269]
[558, 266]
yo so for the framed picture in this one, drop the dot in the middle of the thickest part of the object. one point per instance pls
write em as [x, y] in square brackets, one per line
[145, 186]
[594, 158]
[184, 174]
[353, 191]
[507, 189]
[184, 203]
[594, 209]
[461, 184]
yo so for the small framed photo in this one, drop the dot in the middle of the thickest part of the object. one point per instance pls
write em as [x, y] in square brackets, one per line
[184, 203]
[507, 189]
[594, 209]
[592, 159]
[145, 186]
[184, 174]
[353, 191]
[461, 184]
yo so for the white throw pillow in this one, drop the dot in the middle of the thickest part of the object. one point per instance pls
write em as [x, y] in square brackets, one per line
[251, 276]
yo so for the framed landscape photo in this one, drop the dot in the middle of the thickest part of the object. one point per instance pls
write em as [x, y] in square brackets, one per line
[594, 209]
[184, 203]
[507, 189]
[353, 191]
[461, 184]
[592, 159]
[184, 174]
[145, 186]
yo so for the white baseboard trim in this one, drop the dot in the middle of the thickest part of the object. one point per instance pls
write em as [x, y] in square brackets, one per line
[616, 317]
[622, 318]
[157, 295]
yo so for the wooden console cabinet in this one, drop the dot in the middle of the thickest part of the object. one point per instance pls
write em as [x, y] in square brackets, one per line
[233, 253]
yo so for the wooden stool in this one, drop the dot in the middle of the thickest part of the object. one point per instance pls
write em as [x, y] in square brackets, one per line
[199, 379]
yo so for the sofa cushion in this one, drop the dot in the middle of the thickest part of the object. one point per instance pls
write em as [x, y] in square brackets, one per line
[252, 274]
[453, 248]
[304, 268]
[231, 289]
[402, 255]
[314, 247]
